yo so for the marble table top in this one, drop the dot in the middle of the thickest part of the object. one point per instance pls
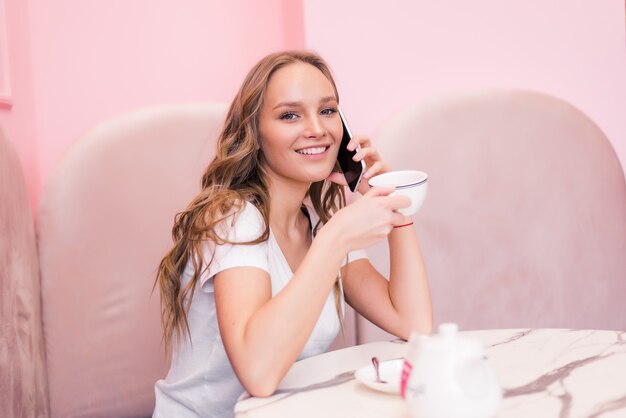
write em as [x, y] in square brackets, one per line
[543, 372]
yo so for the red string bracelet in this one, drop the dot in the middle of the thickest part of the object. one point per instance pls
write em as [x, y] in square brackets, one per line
[400, 226]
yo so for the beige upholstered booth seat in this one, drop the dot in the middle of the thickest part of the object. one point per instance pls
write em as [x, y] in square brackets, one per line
[23, 385]
[524, 226]
[525, 221]
[104, 224]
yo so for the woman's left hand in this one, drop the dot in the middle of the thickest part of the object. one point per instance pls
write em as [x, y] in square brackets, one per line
[374, 165]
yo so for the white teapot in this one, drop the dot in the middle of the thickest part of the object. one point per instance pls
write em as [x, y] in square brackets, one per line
[448, 376]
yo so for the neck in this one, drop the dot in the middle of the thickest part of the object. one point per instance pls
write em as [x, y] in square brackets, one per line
[286, 197]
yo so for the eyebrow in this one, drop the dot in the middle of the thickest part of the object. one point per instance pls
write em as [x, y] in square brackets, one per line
[296, 104]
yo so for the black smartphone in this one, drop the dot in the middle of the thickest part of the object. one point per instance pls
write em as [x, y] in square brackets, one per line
[352, 170]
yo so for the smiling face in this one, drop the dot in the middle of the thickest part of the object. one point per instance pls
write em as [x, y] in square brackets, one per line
[299, 126]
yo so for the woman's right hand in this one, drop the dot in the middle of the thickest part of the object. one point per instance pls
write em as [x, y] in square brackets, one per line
[367, 220]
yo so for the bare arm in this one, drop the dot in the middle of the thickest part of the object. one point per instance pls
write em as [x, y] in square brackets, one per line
[264, 335]
[403, 303]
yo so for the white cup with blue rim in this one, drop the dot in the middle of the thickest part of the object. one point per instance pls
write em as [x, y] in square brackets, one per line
[410, 183]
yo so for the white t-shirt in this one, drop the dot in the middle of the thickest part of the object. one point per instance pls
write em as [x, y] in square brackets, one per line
[201, 381]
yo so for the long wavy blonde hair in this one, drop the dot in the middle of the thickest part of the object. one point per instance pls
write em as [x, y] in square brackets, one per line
[235, 175]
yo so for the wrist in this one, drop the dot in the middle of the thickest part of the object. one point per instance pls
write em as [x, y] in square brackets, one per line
[403, 225]
[331, 241]
[404, 222]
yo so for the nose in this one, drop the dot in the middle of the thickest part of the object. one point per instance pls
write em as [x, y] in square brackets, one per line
[314, 128]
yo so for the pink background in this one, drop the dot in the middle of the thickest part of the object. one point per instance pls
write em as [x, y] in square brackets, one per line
[74, 63]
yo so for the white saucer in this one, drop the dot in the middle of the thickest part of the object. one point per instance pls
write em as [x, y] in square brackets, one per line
[390, 372]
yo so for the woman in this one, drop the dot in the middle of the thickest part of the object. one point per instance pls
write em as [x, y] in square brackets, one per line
[246, 290]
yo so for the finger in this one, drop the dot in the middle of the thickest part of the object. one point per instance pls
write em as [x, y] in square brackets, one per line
[360, 141]
[380, 191]
[398, 219]
[364, 186]
[337, 178]
[369, 153]
[398, 202]
[376, 168]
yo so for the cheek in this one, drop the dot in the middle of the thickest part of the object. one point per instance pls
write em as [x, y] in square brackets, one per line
[335, 129]
[274, 151]
[275, 136]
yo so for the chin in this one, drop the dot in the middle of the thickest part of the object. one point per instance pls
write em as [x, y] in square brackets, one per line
[315, 179]
[308, 175]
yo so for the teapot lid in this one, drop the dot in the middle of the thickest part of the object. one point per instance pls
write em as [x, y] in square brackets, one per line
[448, 330]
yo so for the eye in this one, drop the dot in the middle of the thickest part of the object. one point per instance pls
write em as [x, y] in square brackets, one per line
[329, 111]
[288, 116]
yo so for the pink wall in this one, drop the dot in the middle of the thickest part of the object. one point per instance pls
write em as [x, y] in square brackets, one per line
[75, 63]
[17, 121]
[293, 21]
[389, 55]
[92, 60]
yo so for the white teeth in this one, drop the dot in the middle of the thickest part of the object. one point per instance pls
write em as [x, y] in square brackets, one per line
[311, 151]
